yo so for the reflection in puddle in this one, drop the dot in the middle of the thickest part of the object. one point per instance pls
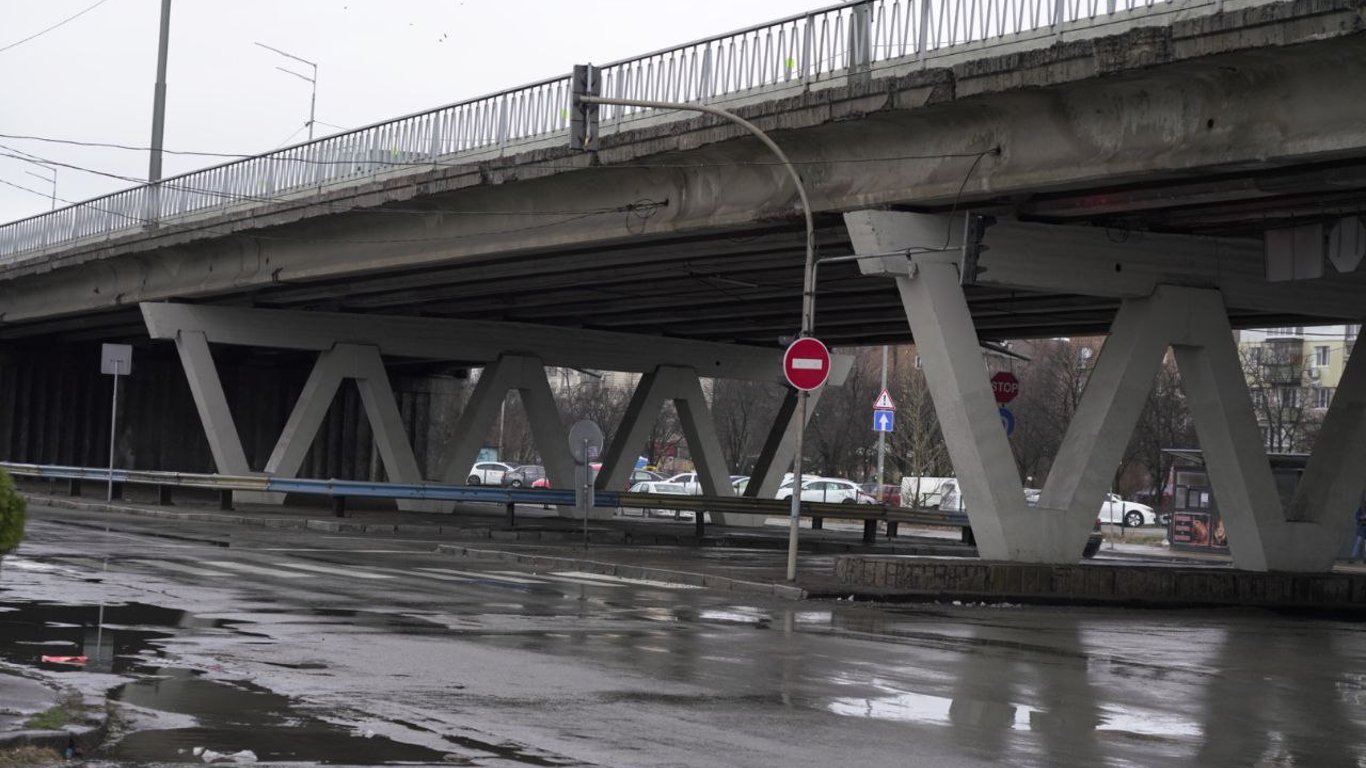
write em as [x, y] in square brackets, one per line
[193, 712]
[934, 710]
[903, 706]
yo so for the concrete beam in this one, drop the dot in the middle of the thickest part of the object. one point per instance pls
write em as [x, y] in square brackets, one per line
[469, 341]
[1090, 261]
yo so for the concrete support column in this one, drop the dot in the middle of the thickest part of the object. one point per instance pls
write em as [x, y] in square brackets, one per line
[957, 379]
[1334, 481]
[207, 390]
[684, 388]
[362, 363]
[525, 374]
[1235, 456]
[1109, 409]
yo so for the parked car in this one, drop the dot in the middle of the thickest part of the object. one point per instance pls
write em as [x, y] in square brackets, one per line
[1113, 510]
[1130, 514]
[662, 487]
[524, 476]
[827, 490]
[689, 481]
[891, 494]
[488, 473]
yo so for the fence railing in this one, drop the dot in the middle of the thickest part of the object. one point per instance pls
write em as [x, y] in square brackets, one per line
[793, 52]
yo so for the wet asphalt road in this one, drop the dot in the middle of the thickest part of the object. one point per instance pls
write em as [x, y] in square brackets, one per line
[347, 650]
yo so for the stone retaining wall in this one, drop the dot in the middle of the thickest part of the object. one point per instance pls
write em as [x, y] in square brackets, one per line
[922, 578]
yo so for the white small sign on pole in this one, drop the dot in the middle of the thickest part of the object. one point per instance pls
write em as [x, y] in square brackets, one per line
[115, 360]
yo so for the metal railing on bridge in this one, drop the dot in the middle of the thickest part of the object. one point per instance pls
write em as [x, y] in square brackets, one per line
[791, 53]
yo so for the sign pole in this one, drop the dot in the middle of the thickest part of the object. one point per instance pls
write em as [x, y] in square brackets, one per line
[113, 427]
[796, 507]
[806, 365]
[882, 436]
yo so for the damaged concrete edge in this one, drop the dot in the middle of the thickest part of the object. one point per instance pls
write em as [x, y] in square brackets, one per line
[542, 562]
[82, 738]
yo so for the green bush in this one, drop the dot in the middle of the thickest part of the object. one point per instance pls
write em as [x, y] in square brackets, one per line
[11, 514]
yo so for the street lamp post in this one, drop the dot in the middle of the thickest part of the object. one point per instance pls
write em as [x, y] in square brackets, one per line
[312, 81]
[808, 277]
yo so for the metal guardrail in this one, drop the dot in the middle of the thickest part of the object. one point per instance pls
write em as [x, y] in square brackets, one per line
[795, 52]
[340, 490]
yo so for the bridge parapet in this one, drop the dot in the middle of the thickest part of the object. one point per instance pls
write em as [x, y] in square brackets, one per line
[789, 56]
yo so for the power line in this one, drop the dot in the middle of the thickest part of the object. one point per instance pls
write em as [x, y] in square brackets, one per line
[63, 22]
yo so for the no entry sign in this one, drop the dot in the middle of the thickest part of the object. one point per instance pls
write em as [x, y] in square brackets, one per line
[1005, 386]
[806, 364]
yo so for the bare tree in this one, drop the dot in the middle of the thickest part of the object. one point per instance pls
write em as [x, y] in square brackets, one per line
[1164, 423]
[917, 445]
[1277, 379]
[1051, 385]
[744, 411]
[840, 439]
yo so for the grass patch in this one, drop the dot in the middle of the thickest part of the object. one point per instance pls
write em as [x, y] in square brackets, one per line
[69, 710]
[1138, 537]
[28, 756]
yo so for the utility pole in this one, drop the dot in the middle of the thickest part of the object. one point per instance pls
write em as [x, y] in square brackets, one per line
[159, 95]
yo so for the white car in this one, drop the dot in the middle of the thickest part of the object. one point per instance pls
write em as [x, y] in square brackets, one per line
[1131, 514]
[827, 490]
[663, 487]
[689, 482]
[1113, 510]
[488, 473]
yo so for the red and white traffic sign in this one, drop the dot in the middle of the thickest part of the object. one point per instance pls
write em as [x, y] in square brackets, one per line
[883, 402]
[806, 363]
[1005, 386]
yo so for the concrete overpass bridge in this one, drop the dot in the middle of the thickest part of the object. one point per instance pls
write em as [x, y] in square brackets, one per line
[1161, 172]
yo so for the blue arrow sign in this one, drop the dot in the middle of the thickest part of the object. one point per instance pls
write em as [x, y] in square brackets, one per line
[1007, 420]
[883, 421]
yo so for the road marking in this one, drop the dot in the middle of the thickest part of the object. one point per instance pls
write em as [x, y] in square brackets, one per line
[622, 580]
[483, 576]
[244, 568]
[353, 573]
[589, 582]
[182, 568]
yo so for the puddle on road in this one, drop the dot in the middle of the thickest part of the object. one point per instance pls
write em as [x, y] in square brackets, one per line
[228, 716]
[232, 716]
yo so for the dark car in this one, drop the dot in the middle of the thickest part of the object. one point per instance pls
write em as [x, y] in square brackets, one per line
[524, 476]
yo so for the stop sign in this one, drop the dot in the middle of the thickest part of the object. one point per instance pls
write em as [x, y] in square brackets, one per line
[806, 363]
[1005, 386]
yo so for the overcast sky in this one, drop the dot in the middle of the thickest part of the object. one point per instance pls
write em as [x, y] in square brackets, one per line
[92, 78]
